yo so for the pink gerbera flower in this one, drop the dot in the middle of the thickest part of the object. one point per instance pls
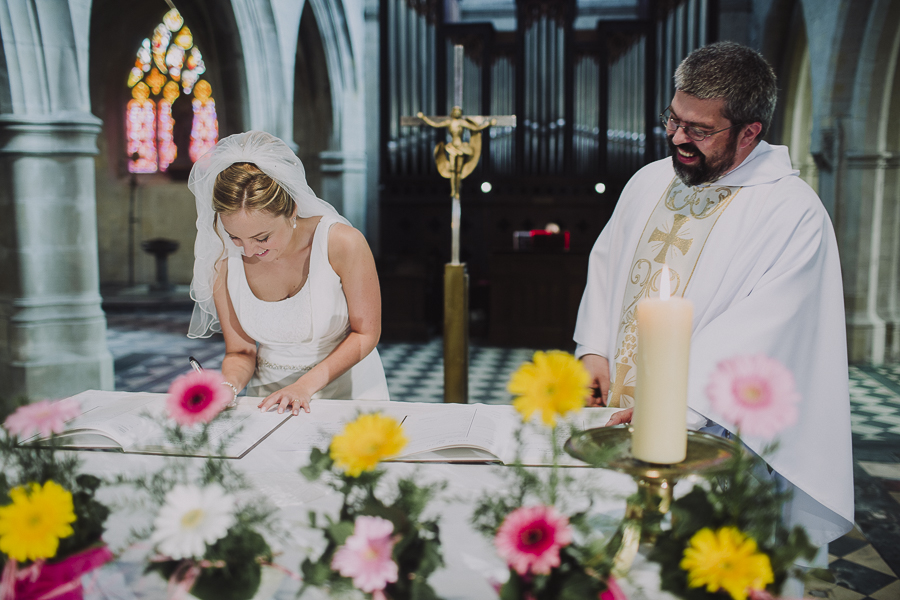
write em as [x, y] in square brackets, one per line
[366, 555]
[530, 538]
[755, 392]
[44, 417]
[197, 397]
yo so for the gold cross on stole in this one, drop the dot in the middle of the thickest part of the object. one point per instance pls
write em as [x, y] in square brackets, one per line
[671, 239]
[619, 388]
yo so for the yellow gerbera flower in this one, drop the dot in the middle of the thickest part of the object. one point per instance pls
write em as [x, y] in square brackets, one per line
[31, 527]
[726, 560]
[365, 442]
[554, 383]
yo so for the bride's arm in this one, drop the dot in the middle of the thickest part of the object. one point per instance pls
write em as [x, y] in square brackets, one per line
[240, 350]
[351, 259]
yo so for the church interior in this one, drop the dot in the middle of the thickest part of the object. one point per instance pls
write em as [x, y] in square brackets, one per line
[104, 107]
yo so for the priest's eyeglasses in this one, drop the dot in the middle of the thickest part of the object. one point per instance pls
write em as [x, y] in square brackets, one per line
[695, 133]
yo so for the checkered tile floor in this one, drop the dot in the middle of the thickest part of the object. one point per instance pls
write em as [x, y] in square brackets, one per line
[415, 372]
[875, 398]
[150, 349]
[865, 563]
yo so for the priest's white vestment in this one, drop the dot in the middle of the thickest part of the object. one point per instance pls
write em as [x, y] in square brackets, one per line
[767, 280]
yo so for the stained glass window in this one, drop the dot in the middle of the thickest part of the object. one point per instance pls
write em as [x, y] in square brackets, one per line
[205, 128]
[141, 130]
[168, 66]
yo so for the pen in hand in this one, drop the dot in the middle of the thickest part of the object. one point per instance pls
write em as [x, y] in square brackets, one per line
[196, 365]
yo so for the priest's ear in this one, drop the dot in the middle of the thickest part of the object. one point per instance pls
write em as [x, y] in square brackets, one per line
[748, 135]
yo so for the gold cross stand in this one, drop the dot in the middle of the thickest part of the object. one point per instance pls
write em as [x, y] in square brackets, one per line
[455, 161]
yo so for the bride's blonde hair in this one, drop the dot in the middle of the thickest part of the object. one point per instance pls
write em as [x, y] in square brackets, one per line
[244, 187]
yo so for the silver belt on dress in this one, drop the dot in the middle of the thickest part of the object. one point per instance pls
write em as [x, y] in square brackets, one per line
[260, 361]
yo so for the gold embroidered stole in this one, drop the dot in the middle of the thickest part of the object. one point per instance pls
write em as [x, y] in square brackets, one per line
[675, 235]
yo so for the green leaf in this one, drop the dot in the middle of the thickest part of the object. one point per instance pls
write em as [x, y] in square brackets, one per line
[340, 531]
[419, 589]
[315, 573]
[514, 588]
[577, 586]
[319, 462]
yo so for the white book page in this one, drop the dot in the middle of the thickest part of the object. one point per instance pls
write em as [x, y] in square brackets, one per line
[458, 426]
[118, 416]
[241, 427]
[427, 426]
[304, 432]
[134, 423]
[326, 419]
[438, 432]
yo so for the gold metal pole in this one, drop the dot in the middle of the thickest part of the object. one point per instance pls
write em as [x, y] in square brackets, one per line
[456, 333]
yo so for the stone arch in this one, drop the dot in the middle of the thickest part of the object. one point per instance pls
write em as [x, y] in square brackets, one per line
[266, 105]
[6, 102]
[340, 40]
[797, 103]
[313, 103]
[859, 145]
[343, 164]
[874, 159]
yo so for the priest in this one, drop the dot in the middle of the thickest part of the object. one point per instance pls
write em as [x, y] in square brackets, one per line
[752, 247]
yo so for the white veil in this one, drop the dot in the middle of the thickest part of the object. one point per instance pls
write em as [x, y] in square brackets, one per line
[275, 159]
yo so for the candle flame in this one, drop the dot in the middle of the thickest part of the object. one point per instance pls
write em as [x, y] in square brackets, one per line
[664, 291]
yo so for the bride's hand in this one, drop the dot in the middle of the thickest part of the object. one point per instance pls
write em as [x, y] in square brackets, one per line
[286, 399]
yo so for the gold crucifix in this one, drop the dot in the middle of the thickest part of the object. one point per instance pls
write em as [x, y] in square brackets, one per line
[457, 158]
[455, 161]
[671, 239]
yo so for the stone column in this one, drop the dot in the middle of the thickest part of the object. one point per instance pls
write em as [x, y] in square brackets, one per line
[52, 328]
[870, 254]
[344, 184]
[373, 111]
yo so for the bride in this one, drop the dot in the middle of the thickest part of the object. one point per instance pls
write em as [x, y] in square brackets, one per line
[290, 283]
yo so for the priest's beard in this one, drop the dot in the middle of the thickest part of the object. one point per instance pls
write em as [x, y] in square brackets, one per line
[709, 168]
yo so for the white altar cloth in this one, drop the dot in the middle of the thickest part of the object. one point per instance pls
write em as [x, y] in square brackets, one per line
[470, 558]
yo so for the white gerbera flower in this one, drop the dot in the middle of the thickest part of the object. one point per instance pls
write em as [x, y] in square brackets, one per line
[191, 518]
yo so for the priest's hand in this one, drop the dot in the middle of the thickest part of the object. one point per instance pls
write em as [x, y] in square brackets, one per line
[623, 416]
[598, 367]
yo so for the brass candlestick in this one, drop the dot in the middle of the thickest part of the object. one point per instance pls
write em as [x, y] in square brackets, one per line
[610, 448]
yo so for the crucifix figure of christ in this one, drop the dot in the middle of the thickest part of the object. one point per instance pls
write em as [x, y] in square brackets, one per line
[455, 161]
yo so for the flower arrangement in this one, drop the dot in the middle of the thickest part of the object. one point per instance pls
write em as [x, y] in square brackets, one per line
[542, 526]
[51, 523]
[206, 541]
[380, 546]
[727, 536]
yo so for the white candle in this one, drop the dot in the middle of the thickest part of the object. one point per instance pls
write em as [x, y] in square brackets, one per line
[660, 395]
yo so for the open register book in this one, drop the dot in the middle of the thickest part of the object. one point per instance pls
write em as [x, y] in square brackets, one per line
[442, 432]
[132, 422]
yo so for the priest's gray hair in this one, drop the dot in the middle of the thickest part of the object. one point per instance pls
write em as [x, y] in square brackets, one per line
[735, 73]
